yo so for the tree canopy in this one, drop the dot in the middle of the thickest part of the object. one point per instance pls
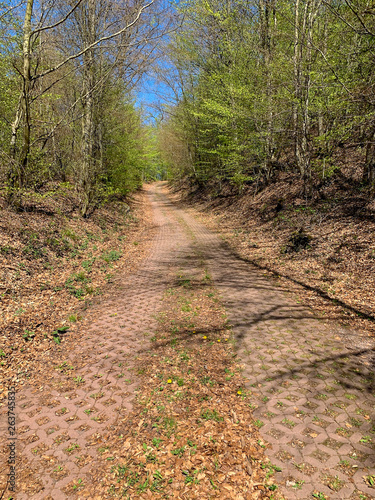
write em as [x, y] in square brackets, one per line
[257, 86]
[265, 85]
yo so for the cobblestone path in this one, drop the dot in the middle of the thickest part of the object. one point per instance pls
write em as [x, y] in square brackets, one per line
[312, 387]
[309, 386]
[59, 431]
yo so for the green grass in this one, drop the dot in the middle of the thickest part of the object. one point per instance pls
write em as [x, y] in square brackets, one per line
[211, 415]
[111, 256]
[28, 335]
[365, 439]
[258, 423]
[72, 447]
[178, 451]
[319, 496]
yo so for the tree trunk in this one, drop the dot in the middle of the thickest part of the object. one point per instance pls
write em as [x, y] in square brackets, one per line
[303, 34]
[267, 8]
[87, 169]
[23, 110]
[297, 87]
[13, 172]
[26, 49]
[369, 170]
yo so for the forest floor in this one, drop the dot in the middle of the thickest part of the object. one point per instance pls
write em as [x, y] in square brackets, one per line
[53, 265]
[120, 404]
[191, 374]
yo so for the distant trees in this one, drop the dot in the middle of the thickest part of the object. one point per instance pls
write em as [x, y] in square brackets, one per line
[73, 66]
[259, 85]
[265, 84]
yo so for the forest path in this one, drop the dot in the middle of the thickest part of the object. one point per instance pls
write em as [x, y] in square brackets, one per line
[61, 420]
[310, 391]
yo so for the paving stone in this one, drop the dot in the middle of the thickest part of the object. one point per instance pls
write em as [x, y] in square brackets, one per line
[306, 377]
[299, 364]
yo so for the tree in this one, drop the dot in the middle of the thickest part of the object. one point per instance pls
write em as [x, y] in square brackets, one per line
[101, 26]
[264, 83]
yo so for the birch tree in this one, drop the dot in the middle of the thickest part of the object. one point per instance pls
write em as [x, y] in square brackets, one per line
[52, 20]
[305, 16]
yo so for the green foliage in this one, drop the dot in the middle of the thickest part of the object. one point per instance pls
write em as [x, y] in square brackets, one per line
[111, 256]
[248, 99]
[123, 152]
[132, 156]
[8, 80]
[253, 94]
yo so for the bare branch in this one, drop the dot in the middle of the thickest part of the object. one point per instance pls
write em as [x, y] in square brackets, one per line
[62, 20]
[80, 98]
[94, 44]
[345, 21]
[359, 19]
[331, 68]
[3, 14]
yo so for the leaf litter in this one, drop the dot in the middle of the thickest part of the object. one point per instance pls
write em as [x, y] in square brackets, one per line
[191, 433]
[54, 266]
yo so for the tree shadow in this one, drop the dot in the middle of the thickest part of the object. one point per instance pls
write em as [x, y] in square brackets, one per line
[347, 371]
[311, 288]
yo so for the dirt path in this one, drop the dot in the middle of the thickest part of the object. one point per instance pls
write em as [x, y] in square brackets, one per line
[305, 384]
